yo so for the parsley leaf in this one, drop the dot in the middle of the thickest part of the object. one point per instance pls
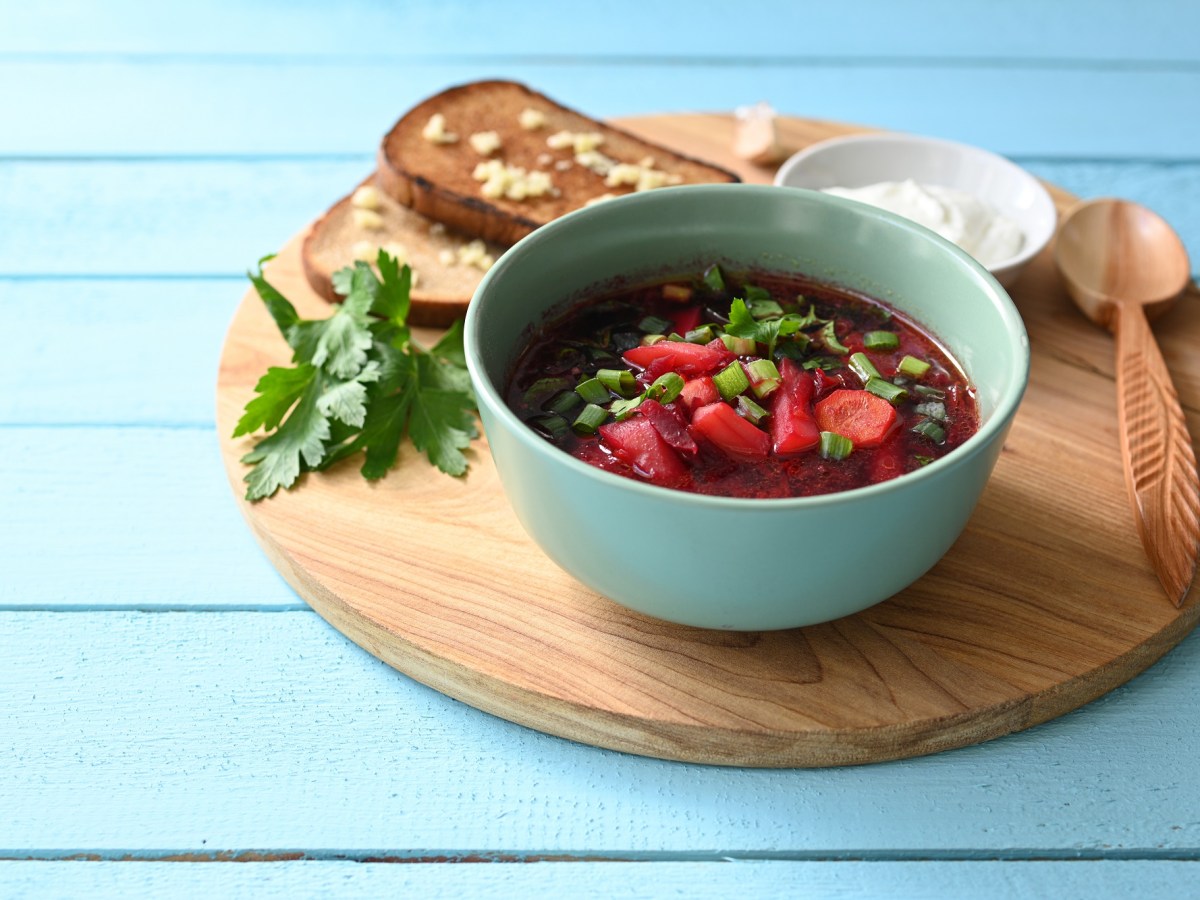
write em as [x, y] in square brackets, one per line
[441, 423]
[278, 306]
[278, 390]
[277, 459]
[743, 324]
[360, 383]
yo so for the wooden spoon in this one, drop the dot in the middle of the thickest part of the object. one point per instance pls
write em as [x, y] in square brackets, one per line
[1122, 263]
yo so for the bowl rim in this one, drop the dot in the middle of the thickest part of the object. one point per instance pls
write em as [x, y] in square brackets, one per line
[1045, 213]
[1006, 406]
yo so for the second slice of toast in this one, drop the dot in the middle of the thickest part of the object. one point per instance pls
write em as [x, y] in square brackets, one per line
[447, 266]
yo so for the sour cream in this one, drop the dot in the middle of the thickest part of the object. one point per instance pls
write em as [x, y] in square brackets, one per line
[956, 215]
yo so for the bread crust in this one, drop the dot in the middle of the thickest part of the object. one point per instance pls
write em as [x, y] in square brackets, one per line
[436, 180]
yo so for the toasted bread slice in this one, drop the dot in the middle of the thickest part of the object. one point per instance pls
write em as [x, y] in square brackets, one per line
[422, 167]
[445, 276]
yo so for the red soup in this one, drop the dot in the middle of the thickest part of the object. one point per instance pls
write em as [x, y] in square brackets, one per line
[757, 386]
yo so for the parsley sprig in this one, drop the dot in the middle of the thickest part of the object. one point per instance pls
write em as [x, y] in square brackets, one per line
[359, 382]
[743, 324]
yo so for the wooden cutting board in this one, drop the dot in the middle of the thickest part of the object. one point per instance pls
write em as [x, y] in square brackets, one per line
[1045, 602]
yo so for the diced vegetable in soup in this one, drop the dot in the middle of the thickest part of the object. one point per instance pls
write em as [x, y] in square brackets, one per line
[766, 385]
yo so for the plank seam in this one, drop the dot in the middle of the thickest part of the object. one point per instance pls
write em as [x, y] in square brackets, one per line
[616, 60]
[1030, 855]
[152, 608]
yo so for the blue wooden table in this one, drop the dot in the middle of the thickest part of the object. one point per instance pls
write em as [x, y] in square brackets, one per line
[166, 700]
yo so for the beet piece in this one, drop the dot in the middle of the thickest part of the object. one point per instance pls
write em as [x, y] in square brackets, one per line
[637, 443]
[670, 424]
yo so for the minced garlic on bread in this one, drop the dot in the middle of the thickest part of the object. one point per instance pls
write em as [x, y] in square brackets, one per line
[542, 160]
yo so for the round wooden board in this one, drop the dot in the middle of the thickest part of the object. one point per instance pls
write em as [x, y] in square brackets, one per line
[1046, 601]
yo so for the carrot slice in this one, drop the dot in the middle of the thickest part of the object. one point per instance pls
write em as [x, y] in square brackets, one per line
[858, 415]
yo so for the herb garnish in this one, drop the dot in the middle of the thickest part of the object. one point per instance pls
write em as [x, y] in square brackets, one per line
[359, 383]
[743, 324]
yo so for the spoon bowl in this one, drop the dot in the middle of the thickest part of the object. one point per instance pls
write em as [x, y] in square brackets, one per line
[1122, 265]
[1113, 251]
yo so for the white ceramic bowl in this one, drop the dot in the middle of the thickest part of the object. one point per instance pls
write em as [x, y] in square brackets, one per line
[860, 160]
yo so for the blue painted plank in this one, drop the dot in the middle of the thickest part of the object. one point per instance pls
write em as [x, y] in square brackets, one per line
[126, 517]
[244, 107]
[1102, 880]
[940, 29]
[223, 733]
[112, 218]
[115, 352]
[154, 218]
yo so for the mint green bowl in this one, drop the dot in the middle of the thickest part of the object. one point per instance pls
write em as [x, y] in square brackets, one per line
[722, 562]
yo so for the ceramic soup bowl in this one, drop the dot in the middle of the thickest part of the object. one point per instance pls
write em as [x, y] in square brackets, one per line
[722, 562]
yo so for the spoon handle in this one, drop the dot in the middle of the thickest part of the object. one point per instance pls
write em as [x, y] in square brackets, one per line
[1160, 464]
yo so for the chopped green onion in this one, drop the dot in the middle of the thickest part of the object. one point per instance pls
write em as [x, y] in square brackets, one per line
[835, 446]
[931, 430]
[862, 366]
[750, 411]
[764, 309]
[934, 409]
[764, 377]
[881, 340]
[620, 381]
[930, 392]
[623, 409]
[590, 418]
[829, 336]
[552, 427]
[824, 363]
[892, 393]
[600, 355]
[592, 391]
[739, 346]
[677, 337]
[922, 460]
[653, 325]
[543, 388]
[754, 293]
[701, 335]
[713, 279]
[666, 387]
[650, 339]
[912, 367]
[810, 318]
[563, 403]
[625, 340]
[731, 380]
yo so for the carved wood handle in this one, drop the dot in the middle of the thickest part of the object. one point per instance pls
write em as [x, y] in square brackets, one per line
[1160, 464]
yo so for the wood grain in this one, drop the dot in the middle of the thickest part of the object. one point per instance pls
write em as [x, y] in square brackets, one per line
[1156, 449]
[1045, 603]
[1121, 262]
